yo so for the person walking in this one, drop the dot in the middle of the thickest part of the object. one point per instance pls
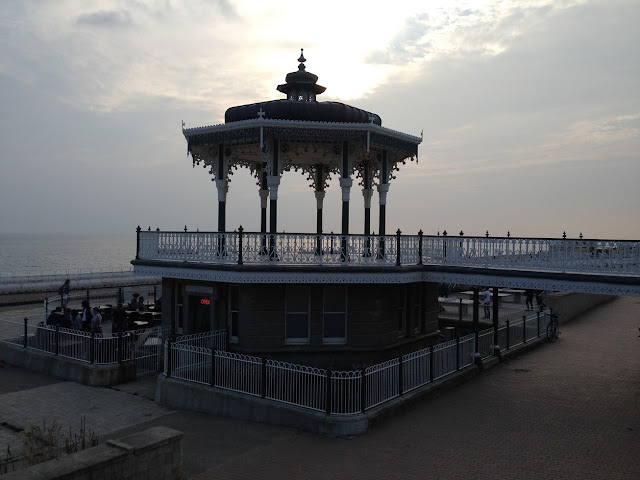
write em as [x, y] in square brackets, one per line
[529, 295]
[64, 291]
[487, 302]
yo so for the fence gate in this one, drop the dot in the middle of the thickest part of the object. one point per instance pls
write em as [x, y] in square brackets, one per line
[147, 350]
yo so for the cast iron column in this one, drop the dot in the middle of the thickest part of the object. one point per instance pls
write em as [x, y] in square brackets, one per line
[273, 181]
[383, 188]
[345, 184]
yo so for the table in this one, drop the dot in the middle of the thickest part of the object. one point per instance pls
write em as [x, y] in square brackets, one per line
[501, 296]
[517, 294]
[460, 303]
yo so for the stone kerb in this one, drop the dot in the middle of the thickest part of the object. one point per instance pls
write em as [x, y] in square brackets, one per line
[153, 453]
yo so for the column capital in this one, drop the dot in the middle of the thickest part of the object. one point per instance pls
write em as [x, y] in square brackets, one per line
[383, 189]
[346, 182]
[367, 193]
[264, 196]
[223, 188]
[274, 182]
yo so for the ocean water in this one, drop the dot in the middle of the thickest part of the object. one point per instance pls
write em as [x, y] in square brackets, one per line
[34, 254]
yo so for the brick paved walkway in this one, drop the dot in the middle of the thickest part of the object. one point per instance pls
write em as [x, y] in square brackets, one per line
[568, 410]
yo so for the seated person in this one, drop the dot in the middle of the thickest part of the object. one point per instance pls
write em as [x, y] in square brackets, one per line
[56, 317]
[157, 306]
[133, 303]
[141, 307]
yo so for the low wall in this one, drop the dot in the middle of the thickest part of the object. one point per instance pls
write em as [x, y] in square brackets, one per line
[570, 305]
[153, 453]
[65, 368]
[182, 395]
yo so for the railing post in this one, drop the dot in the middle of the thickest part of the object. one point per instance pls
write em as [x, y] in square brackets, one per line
[457, 353]
[169, 356]
[263, 380]
[328, 391]
[25, 331]
[138, 242]
[46, 308]
[240, 230]
[213, 367]
[92, 348]
[538, 315]
[524, 329]
[431, 363]
[398, 263]
[460, 310]
[420, 234]
[363, 390]
[400, 380]
[56, 336]
[119, 356]
[508, 339]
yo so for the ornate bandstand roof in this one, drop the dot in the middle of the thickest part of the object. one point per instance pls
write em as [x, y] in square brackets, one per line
[309, 132]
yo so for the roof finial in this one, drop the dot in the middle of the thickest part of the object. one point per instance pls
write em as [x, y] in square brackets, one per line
[302, 60]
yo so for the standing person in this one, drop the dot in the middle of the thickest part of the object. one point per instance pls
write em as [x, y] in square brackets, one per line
[63, 291]
[529, 294]
[486, 294]
[76, 320]
[119, 319]
[96, 321]
[86, 316]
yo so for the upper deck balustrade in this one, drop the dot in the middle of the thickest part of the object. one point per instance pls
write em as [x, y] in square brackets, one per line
[587, 256]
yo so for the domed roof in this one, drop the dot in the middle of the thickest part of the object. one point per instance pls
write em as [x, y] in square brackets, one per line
[301, 104]
[310, 111]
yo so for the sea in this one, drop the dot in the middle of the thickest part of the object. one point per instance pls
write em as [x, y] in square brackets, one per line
[44, 254]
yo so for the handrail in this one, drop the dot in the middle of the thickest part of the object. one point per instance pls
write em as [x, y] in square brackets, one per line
[611, 257]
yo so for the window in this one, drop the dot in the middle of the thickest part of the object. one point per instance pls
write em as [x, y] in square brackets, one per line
[334, 315]
[297, 314]
[233, 313]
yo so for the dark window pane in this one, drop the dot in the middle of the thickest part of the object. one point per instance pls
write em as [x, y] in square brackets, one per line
[334, 299]
[297, 325]
[334, 325]
[297, 299]
[233, 298]
[234, 324]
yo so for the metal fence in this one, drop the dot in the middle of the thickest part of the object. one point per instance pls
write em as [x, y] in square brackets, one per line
[190, 358]
[144, 346]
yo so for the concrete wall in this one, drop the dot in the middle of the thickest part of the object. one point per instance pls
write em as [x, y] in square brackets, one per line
[179, 394]
[154, 453]
[570, 305]
[65, 368]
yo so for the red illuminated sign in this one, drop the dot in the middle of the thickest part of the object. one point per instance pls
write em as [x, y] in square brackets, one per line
[205, 301]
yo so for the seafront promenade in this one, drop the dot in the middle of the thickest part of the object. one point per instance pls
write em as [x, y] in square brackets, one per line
[568, 410]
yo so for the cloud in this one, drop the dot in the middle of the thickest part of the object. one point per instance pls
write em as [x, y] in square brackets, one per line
[105, 18]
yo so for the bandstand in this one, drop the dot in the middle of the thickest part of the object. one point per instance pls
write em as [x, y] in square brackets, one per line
[319, 298]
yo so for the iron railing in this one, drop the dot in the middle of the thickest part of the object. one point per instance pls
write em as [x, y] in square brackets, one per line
[340, 392]
[612, 257]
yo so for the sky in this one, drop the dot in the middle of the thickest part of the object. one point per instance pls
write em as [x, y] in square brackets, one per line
[529, 111]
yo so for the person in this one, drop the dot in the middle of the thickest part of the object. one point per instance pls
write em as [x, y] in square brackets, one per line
[119, 319]
[86, 316]
[157, 305]
[56, 317]
[529, 295]
[64, 292]
[141, 307]
[67, 321]
[96, 321]
[77, 319]
[486, 294]
[133, 304]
